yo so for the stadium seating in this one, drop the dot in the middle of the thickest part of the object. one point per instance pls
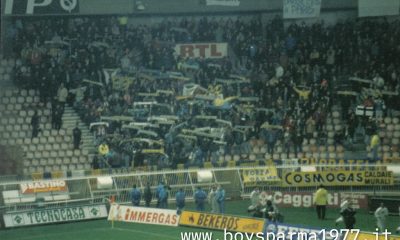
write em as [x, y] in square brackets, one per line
[52, 149]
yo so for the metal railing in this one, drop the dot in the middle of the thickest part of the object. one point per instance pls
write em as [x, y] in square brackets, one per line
[85, 189]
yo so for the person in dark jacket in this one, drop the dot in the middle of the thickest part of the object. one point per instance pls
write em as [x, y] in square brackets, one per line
[180, 200]
[199, 198]
[147, 195]
[77, 135]
[348, 216]
[35, 124]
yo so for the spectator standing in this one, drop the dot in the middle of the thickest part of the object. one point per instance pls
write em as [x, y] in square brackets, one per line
[211, 199]
[320, 201]
[77, 134]
[220, 196]
[136, 195]
[160, 188]
[199, 199]
[180, 200]
[147, 195]
[374, 144]
[380, 214]
[35, 124]
[62, 94]
[163, 197]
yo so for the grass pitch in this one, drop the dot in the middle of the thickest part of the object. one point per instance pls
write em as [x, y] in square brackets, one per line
[101, 229]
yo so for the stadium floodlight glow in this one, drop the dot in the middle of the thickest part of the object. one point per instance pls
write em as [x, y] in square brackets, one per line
[140, 6]
[308, 169]
[204, 176]
[394, 168]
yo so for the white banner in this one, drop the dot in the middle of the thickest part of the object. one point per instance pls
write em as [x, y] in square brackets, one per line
[230, 3]
[54, 215]
[143, 215]
[368, 8]
[301, 8]
[202, 50]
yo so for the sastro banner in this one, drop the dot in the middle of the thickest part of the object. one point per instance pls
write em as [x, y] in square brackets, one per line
[54, 215]
[143, 215]
[43, 186]
[221, 222]
[254, 176]
[338, 178]
[202, 50]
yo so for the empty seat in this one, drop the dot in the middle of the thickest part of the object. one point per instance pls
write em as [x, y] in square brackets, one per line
[48, 146]
[46, 154]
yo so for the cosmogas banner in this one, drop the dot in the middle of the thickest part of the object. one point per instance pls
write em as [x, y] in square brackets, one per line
[54, 215]
[337, 178]
[39, 7]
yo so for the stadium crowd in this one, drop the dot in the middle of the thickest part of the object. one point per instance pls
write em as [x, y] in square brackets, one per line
[294, 71]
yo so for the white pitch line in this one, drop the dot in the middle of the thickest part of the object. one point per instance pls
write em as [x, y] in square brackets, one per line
[41, 236]
[148, 233]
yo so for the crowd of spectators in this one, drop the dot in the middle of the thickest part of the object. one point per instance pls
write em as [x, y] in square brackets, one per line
[295, 71]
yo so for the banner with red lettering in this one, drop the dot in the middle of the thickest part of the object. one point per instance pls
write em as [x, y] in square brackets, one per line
[143, 215]
[305, 199]
[43, 186]
[202, 50]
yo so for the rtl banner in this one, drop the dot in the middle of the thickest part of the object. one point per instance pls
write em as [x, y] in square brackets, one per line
[43, 186]
[202, 50]
[301, 8]
[143, 215]
[39, 7]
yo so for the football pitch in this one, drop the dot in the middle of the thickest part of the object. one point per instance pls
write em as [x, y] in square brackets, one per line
[101, 229]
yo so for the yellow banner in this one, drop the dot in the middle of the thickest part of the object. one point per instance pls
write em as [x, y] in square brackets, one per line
[267, 174]
[337, 178]
[221, 222]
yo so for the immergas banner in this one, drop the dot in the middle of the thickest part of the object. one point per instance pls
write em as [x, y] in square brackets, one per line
[305, 199]
[143, 215]
[54, 215]
[202, 50]
[40, 7]
[301, 8]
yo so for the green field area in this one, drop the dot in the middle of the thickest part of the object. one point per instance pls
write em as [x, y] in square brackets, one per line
[101, 229]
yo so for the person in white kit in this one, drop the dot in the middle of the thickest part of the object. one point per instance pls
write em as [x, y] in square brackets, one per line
[380, 214]
[255, 197]
[343, 206]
